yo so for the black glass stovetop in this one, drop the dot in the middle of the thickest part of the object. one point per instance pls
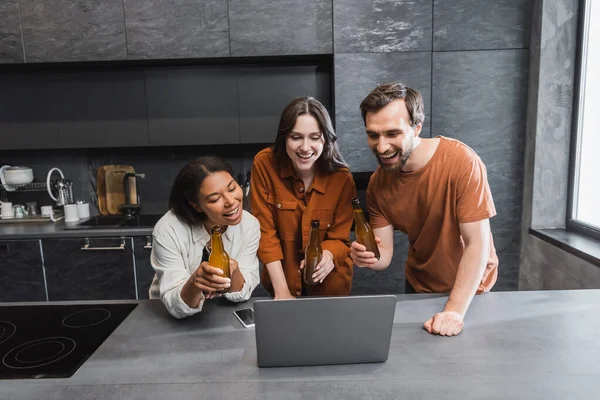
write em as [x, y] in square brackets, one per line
[53, 341]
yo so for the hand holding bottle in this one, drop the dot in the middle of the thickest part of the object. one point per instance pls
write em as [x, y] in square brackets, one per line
[313, 255]
[324, 267]
[361, 257]
[210, 280]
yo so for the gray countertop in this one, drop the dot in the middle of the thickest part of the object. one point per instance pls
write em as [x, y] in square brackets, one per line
[521, 345]
[44, 230]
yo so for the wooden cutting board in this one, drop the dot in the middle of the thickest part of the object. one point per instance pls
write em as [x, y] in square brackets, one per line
[115, 188]
[101, 188]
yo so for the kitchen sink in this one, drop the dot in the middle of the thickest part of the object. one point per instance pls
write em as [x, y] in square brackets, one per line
[119, 221]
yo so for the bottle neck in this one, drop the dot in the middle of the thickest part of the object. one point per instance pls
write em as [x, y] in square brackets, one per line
[216, 243]
[359, 216]
[313, 237]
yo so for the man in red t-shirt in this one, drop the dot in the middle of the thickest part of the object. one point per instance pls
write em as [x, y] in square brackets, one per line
[436, 191]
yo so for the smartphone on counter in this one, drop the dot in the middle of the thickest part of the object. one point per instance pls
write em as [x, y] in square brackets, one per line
[245, 316]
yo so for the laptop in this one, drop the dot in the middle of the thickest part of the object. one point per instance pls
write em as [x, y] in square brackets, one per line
[323, 330]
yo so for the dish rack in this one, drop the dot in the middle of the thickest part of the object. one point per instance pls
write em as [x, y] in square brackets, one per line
[30, 187]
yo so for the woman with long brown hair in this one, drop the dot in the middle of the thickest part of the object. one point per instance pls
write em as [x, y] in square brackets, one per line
[303, 177]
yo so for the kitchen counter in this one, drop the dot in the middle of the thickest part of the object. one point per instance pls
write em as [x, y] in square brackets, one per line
[521, 345]
[44, 230]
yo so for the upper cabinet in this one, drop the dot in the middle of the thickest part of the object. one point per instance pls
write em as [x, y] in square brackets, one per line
[264, 93]
[176, 29]
[383, 26]
[27, 117]
[49, 31]
[282, 27]
[101, 109]
[11, 45]
[188, 106]
[465, 25]
[76, 30]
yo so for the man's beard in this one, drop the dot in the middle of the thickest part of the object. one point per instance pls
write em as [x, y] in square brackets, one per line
[404, 155]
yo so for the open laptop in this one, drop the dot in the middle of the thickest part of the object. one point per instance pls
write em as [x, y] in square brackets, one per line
[323, 330]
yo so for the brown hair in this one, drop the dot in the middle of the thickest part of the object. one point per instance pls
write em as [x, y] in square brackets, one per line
[331, 159]
[385, 93]
[187, 185]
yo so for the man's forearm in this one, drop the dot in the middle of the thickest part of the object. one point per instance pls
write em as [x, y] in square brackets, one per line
[468, 277]
[385, 259]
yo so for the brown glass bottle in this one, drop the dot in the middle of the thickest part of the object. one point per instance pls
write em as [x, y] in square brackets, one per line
[312, 253]
[363, 231]
[218, 256]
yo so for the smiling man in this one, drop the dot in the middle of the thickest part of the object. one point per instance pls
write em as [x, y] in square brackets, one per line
[436, 191]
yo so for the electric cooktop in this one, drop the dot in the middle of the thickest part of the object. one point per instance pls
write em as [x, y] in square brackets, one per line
[53, 341]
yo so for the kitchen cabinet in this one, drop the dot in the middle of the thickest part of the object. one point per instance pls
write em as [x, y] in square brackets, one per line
[22, 271]
[260, 113]
[74, 30]
[283, 27]
[101, 109]
[192, 106]
[11, 45]
[143, 269]
[168, 30]
[89, 268]
[27, 112]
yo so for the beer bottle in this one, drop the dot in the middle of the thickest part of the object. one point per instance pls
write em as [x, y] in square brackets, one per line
[364, 233]
[312, 253]
[218, 256]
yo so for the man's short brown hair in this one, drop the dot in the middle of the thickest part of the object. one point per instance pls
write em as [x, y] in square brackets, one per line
[385, 93]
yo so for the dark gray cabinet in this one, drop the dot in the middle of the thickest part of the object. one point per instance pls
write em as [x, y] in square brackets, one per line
[89, 269]
[11, 45]
[75, 30]
[386, 26]
[192, 106]
[22, 271]
[264, 93]
[282, 27]
[180, 29]
[101, 109]
[143, 269]
[27, 119]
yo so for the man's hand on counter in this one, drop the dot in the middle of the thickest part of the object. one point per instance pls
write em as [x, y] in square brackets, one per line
[445, 323]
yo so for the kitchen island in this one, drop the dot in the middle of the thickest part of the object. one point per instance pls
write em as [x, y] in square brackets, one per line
[521, 345]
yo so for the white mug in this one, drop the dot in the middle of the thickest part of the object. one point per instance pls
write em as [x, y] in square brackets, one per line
[83, 210]
[71, 213]
[7, 209]
[46, 211]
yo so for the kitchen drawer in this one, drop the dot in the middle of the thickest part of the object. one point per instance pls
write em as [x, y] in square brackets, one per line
[89, 268]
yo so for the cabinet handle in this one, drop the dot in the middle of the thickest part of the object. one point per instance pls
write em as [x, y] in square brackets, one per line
[148, 242]
[86, 246]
